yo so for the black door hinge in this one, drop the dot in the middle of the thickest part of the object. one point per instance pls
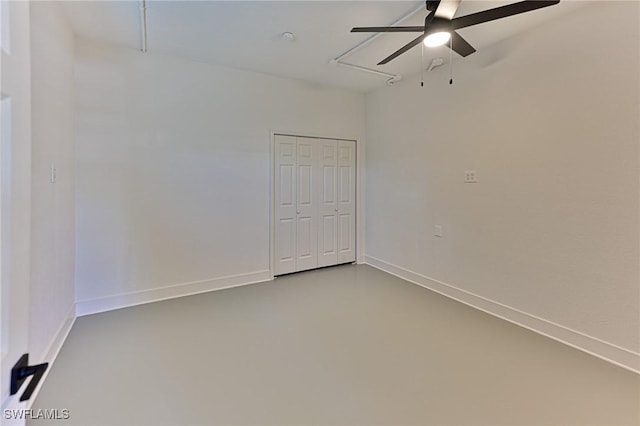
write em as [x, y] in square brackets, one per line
[21, 371]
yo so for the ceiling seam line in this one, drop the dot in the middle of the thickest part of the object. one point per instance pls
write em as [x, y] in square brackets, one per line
[143, 25]
[392, 78]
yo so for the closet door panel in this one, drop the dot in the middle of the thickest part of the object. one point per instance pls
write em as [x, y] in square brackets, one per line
[346, 201]
[285, 204]
[328, 202]
[307, 200]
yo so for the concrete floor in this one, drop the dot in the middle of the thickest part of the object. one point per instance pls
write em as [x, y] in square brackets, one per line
[344, 345]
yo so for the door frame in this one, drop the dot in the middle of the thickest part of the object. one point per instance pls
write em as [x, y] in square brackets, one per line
[360, 178]
[15, 203]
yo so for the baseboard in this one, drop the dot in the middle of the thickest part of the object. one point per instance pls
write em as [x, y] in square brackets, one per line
[54, 349]
[125, 300]
[607, 351]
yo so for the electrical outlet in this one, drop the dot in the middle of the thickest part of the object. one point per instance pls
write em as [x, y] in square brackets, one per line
[470, 176]
[437, 231]
[53, 173]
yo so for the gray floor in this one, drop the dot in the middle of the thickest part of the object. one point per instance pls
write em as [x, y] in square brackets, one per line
[344, 345]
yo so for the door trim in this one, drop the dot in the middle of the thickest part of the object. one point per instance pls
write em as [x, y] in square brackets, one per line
[359, 219]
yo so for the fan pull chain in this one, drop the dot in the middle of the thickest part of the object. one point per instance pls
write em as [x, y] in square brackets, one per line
[422, 65]
[451, 61]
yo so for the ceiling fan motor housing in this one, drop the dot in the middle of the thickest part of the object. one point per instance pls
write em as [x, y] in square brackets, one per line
[437, 25]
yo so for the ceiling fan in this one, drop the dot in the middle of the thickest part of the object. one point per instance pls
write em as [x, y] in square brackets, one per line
[440, 25]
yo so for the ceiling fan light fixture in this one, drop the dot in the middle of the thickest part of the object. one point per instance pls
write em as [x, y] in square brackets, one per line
[437, 39]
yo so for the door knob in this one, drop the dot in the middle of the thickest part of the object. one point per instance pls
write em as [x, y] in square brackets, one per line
[297, 211]
[336, 209]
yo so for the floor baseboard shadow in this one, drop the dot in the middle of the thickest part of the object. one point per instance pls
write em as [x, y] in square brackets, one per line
[125, 300]
[609, 352]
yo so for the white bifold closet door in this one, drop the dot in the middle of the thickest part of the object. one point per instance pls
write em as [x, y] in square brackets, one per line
[314, 203]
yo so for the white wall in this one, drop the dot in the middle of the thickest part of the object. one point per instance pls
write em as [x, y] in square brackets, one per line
[173, 170]
[53, 205]
[550, 122]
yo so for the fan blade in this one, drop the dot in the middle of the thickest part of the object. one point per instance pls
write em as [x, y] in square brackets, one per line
[500, 12]
[447, 9]
[403, 49]
[429, 19]
[387, 29]
[410, 29]
[460, 45]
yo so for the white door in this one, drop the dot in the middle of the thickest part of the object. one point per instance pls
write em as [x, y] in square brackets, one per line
[328, 202]
[307, 210]
[314, 205]
[285, 204]
[346, 201]
[15, 185]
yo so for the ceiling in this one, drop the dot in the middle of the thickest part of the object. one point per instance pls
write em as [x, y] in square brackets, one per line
[246, 34]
